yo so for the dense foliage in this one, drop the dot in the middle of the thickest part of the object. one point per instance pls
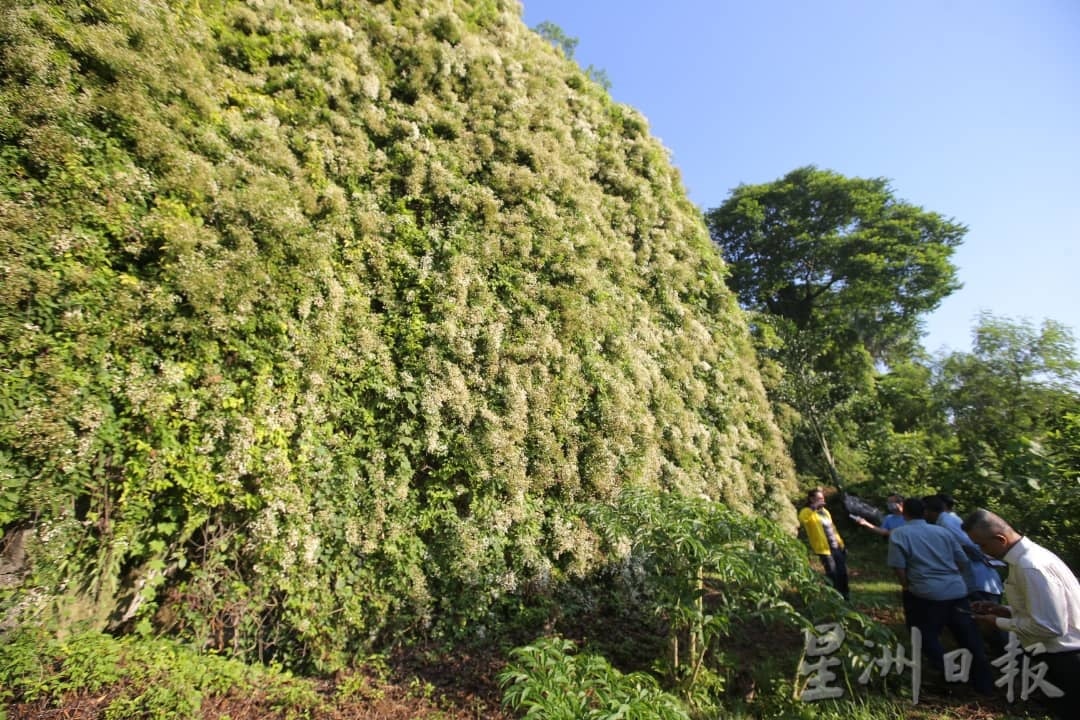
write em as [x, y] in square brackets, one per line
[547, 680]
[838, 273]
[1013, 405]
[996, 427]
[687, 581]
[318, 320]
[135, 678]
[703, 580]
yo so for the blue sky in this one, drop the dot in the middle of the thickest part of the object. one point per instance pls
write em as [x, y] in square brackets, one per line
[971, 108]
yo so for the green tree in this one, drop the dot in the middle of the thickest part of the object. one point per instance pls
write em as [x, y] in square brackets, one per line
[1008, 387]
[904, 435]
[1013, 404]
[838, 272]
[838, 254]
[820, 382]
[1059, 516]
[568, 44]
[557, 37]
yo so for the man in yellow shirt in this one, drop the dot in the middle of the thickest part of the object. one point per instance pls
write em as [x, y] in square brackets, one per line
[825, 540]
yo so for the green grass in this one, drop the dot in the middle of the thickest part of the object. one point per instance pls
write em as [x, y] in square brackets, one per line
[874, 588]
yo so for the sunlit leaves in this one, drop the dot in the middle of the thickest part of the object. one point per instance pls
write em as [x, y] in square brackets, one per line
[546, 679]
[320, 320]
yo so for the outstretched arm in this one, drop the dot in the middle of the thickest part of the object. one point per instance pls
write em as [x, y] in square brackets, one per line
[871, 526]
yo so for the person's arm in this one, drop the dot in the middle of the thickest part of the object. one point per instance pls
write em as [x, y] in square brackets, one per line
[872, 527]
[1046, 615]
[836, 530]
[974, 554]
[985, 607]
[897, 560]
[963, 563]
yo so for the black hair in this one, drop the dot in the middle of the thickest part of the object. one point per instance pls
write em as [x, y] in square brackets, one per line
[914, 509]
[934, 503]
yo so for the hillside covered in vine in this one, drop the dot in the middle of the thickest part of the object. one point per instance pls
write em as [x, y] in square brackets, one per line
[320, 320]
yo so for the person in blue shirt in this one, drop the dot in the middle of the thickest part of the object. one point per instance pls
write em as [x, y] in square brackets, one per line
[983, 581]
[929, 563]
[895, 505]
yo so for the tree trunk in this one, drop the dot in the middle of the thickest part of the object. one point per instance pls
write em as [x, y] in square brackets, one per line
[826, 453]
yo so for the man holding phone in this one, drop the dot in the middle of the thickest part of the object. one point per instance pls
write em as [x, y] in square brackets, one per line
[1044, 604]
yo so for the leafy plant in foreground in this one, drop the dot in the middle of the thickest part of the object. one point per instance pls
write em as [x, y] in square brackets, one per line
[710, 579]
[547, 681]
[142, 678]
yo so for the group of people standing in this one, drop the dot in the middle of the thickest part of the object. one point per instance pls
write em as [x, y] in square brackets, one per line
[948, 570]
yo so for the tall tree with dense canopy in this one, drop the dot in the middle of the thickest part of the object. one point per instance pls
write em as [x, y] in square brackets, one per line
[840, 271]
[1008, 386]
[827, 251]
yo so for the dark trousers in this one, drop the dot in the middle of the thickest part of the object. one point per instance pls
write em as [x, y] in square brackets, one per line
[933, 616]
[912, 609]
[1063, 670]
[836, 570]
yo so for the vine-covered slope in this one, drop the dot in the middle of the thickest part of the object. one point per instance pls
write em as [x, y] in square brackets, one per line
[319, 319]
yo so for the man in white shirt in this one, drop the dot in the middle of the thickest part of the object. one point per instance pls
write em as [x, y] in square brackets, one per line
[1044, 603]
